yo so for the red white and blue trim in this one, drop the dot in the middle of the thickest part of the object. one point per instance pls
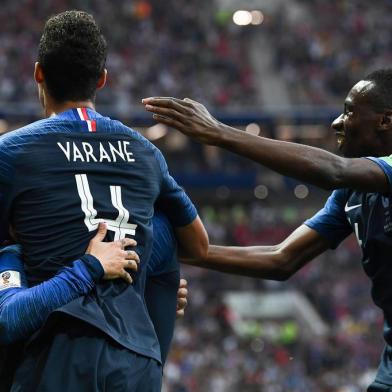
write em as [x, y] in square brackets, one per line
[84, 116]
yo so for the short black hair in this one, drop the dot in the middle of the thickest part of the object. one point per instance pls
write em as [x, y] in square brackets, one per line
[381, 94]
[72, 52]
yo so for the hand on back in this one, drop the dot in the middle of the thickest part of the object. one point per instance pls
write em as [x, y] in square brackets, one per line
[115, 260]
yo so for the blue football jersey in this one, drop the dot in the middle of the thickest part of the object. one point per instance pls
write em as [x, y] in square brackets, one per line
[59, 178]
[369, 216]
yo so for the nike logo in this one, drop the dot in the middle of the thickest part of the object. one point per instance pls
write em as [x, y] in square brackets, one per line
[347, 208]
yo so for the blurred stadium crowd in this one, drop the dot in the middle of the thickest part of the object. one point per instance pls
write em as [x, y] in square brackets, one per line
[208, 355]
[151, 52]
[183, 48]
[315, 51]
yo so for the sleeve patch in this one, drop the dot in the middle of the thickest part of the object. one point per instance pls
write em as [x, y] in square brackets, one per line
[387, 160]
[9, 279]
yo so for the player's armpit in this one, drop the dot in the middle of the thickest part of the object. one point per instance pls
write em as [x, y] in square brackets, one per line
[192, 240]
[276, 262]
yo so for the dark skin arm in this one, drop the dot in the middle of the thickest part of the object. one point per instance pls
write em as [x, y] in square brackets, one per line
[192, 240]
[309, 164]
[277, 262]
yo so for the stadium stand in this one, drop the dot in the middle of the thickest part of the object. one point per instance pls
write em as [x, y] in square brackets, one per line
[182, 48]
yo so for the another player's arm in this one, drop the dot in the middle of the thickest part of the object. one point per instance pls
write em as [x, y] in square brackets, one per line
[23, 310]
[192, 238]
[309, 164]
[277, 262]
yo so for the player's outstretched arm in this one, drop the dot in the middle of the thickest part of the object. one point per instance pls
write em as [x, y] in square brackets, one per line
[277, 262]
[192, 240]
[309, 164]
[23, 310]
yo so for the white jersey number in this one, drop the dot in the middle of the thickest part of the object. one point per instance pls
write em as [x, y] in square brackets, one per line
[120, 226]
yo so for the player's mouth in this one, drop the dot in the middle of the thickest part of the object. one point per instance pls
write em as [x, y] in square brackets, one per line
[340, 136]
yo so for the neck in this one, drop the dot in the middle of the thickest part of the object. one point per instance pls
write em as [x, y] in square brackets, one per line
[52, 108]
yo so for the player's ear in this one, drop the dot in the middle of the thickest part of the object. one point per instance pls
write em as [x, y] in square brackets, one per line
[38, 73]
[102, 79]
[386, 121]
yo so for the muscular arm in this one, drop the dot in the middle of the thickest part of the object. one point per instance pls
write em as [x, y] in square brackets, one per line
[192, 240]
[277, 262]
[309, 164]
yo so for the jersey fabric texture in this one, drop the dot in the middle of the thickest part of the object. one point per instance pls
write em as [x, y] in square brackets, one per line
[79, 358]
[369, 216]
[163, 278]
[59, 178]
[23, 311]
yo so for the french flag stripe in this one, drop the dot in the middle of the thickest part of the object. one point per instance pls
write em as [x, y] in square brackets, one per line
[83, 115]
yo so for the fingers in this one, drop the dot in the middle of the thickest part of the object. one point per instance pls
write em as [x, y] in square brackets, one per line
[181, 303]
[182, 300]
[131, 255]
[183, 283]
[127, 277]
[169, 102]
[125, 242]
[168, 121]
[101, 233]
[172, 113]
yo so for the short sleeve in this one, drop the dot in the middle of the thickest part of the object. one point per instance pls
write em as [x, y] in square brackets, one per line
[331, 221]
[173, 201]
[385, 163]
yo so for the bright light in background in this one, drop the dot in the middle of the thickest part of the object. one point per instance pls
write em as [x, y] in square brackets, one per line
[222, 192]
[301, 191]
[261, 192]
[245, 18]
[156, 132]
[257, 17]
[242, 18]
[253, 128]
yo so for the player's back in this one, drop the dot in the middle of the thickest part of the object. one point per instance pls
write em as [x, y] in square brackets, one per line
[65, 175]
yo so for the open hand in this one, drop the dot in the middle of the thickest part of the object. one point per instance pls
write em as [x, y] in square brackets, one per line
[188, 116]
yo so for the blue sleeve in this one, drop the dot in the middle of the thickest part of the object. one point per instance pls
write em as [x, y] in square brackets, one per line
[173, 201]
[161, 300]
[23, 310]
[385, 164]
[9, 149]
[331, 221]
[164, 249]
[163, 278]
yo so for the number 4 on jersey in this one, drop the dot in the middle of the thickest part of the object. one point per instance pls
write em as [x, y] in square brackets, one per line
[120, 226]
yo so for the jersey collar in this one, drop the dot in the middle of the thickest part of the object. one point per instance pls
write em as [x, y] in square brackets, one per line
[79, 114]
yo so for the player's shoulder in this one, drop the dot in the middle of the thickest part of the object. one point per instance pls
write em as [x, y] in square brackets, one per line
[116, 126]
[27, 133]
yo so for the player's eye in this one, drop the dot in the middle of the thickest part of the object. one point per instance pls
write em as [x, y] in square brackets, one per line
[348, 110]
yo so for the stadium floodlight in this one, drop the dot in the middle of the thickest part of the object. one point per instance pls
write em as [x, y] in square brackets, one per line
[242, 18]
[257, 17]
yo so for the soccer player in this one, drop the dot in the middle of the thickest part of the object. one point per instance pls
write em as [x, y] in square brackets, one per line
[59, 178]
[360, 203]
[24, 310]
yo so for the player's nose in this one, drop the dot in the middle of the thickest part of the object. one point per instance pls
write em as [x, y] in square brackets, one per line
[337, 124]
